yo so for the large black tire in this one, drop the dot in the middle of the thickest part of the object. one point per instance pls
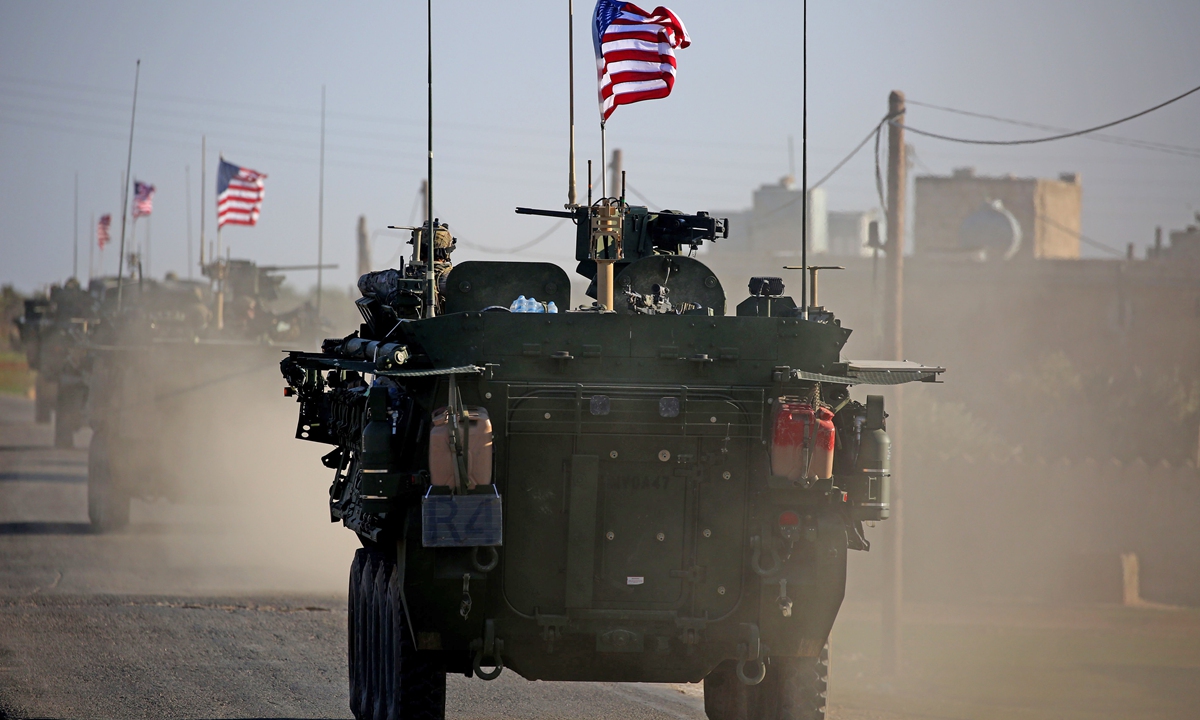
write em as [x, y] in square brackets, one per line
[389, 678]
[724, 694]
[353, 617]
[43, 396]
[793, 689]
[68, 413]
[108, 503]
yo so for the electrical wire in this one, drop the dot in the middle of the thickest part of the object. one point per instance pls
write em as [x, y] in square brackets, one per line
[643, 198]
[874, 132]
[1083, 238]
[1061, 136]
[519, 248]
[1100, 137]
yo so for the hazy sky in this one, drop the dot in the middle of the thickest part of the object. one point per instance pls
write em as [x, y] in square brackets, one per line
[249, 75]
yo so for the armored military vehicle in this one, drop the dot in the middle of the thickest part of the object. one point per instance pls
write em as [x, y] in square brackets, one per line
[174, 362]
[643, 489]
[51, 332]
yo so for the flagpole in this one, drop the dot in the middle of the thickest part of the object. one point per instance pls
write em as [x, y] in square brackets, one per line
[187, 191]
[571, 84]
[217, 255]
[603, 163]
[148, 256]
[137, 72]
[431, 284]
[91, 253]
[203, 182]
[321, 208]
[75, 257]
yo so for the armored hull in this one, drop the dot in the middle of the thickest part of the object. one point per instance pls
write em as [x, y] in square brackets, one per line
[637, 523]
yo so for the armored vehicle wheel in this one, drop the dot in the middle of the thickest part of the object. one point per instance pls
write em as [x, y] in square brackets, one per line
[68, 413]
[724, 694]
[42, 396]
[389, 678]
[108, 505]
[793, 689]
[64, 431]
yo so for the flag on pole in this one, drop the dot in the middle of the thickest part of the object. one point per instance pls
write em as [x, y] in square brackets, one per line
[635, 53]
[143, 198]
[102, 235]
[239, 195]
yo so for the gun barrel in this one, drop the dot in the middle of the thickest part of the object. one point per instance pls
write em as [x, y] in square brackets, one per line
[546, 213]
[285, 268]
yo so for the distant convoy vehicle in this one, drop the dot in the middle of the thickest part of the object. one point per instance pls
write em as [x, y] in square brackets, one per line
[149, 373]
[644, 489]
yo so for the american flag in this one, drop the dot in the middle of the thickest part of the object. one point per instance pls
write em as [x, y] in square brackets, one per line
[143, 198]
[239, 195]
[102, 236]
[635, 53]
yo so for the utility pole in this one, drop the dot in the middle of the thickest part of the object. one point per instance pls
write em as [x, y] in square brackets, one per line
[364, 247]
[893, 576]
[615, 168]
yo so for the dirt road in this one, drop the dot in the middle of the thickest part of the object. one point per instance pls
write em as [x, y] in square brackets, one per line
[238, 611]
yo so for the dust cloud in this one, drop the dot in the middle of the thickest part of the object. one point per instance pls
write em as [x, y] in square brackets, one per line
[227, 499]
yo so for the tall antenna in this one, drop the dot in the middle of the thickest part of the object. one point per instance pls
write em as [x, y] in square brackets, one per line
[187, 192]
[431, 285]
[75, 258]
[321, 208]
[137, 72]
[804, 174]
[571, 84]
[203, 176]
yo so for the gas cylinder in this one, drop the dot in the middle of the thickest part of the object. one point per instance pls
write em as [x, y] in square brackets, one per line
[870, 482]
[802, 442]
[377, 461]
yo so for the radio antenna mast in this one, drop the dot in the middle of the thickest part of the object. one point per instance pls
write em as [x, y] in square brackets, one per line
[430, 227]
[804, 172]
[571, 85]
[137, 72]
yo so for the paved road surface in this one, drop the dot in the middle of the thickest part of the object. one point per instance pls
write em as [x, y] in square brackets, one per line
[206, 612]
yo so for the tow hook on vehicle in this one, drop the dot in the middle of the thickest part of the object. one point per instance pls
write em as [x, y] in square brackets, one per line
[488, 647]
[756, 543]
[785, 602]
[751, 657]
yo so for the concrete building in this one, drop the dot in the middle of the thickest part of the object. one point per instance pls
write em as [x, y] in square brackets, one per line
[771, 226]
[950, 210]
[1184, 245]
[848, 232]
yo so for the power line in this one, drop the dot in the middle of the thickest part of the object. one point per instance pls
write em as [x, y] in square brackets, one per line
[1061, 136]
[643, 198]
[517, 249]
[874, 133]
[1182, 150]
[1084, 238]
